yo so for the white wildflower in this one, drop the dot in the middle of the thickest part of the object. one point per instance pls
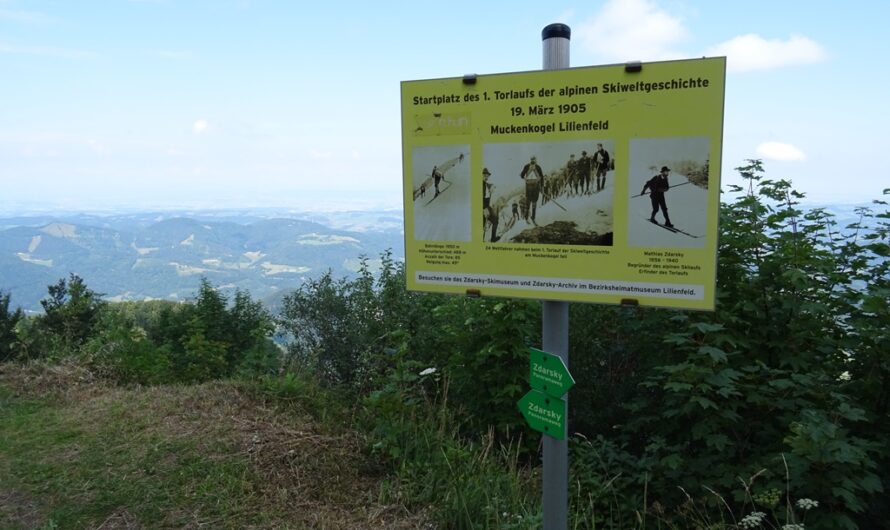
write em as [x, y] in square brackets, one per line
[752, 520]
[807, 504]
[428, 371]
[845, 376]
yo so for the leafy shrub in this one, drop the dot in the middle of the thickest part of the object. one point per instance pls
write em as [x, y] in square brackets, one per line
[123, 351]
[9, 320]
[764, 380]
[152, 343]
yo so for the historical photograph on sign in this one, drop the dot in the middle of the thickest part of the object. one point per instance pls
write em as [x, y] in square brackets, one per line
[441, 194]
[548, 193]
[668, 185]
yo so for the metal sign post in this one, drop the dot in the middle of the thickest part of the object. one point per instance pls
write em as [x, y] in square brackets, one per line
[556, 336]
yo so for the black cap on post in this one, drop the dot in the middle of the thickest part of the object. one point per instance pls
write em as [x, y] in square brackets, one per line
[556, 30]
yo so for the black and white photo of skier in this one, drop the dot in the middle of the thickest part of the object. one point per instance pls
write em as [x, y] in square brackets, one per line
[445, 214]
[657, 187]
[668, 192]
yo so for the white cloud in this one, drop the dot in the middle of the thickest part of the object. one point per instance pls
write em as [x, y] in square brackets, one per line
[97, 146]
[318, 154]
[628, 30]
[199, 126]
[752, 52]
[48, 51]
[176, 55]
[26, 17]
[780, 151]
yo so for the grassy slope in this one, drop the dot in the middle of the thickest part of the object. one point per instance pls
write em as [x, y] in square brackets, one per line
[75, 453]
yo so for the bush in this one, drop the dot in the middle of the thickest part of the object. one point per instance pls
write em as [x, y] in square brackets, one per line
[9, 342]
[764, 380]
[152, 342]
[71, 312]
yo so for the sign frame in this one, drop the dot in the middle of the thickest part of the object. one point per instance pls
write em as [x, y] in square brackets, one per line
[668, 114]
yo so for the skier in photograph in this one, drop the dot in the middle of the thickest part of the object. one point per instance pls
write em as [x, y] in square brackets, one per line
[601, 162]
[658, 185]
[573, 173]
[534, 178]
[487, 189]
[437, 176]
[494, 217]
[584, 164]
[422, 190]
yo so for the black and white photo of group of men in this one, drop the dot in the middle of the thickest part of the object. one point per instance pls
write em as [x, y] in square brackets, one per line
[554, 193]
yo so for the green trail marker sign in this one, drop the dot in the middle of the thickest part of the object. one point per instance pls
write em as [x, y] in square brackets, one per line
[544, 413]
[548, 373]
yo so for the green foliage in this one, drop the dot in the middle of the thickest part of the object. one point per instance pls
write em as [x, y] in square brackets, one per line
[122, 350]
[612, 347]
[367, 333]
[766, 379]
[485, 355]
[71, 312]
[153, 343]
[326, 317]
[208, 339]
[340, 328]
[9, 346]
[786, 382]
[469, 484]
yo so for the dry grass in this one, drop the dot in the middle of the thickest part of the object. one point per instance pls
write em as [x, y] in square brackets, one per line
[20, 508]
[299, 473]
[66, 381]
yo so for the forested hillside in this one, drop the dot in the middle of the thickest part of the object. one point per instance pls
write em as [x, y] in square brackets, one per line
[163, 255]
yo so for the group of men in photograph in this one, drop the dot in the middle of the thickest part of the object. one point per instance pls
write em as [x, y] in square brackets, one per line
[582, 176]
[577, 177]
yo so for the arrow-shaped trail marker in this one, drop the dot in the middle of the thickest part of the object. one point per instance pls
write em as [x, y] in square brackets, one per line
[544, 413]
[548, 373]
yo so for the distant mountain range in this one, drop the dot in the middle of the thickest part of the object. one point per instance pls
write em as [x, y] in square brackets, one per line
[163, 255]
[138, 256]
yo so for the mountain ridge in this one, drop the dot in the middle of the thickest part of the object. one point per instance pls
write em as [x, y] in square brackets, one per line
[152, 256]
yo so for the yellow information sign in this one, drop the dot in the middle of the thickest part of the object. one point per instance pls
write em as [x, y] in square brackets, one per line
[594, 184]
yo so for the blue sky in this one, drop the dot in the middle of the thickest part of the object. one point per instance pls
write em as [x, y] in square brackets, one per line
[166, 103]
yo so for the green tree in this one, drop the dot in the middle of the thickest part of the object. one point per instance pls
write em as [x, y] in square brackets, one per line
[331, 322]
[209, 338]
[71, 313]
[8, 322]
